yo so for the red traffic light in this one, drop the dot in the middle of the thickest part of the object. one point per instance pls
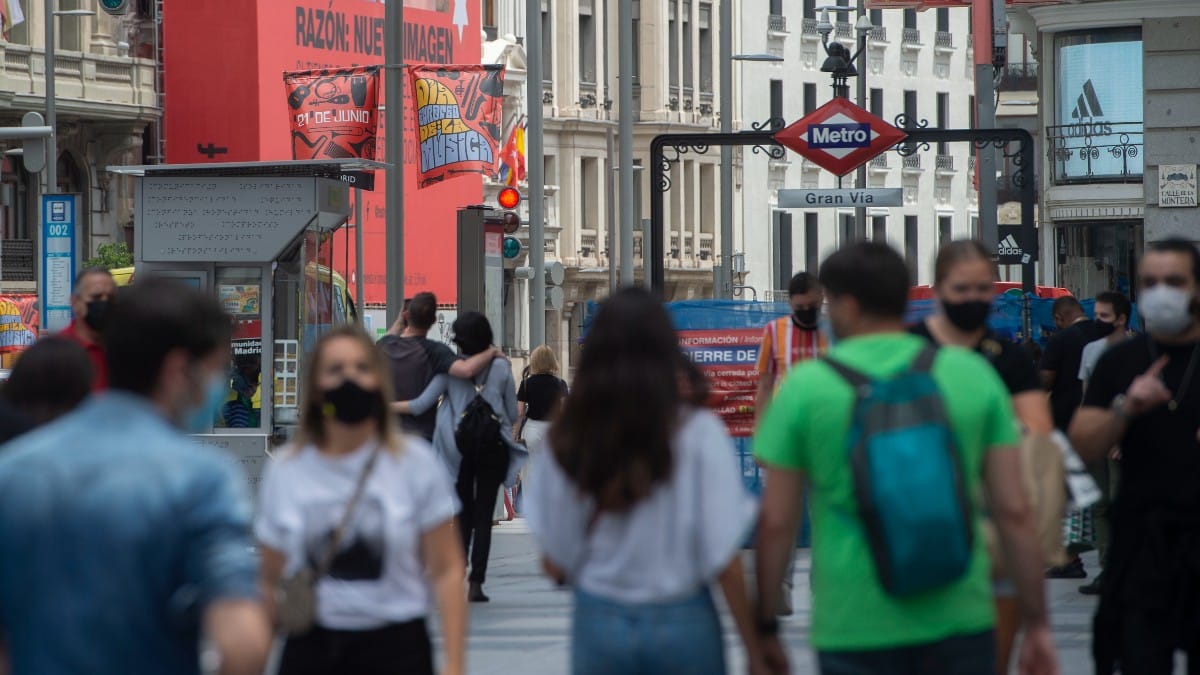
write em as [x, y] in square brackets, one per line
[509, 198]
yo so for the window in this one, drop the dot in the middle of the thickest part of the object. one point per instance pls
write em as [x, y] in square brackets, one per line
[810, 97]
[587, 43]
[777, 99]
[943, 120]
[879, 229]
[876, 102]
[910, 247]
[706, 48]
[673, 43]
[547, 43]
[945, 230]
[910, 18]
[776, 7]
[489, 17]
[20, 32]
[876, 18]
[686, 27]
[240, 290]
[812, 253]
[637, 42]
[971, 111]
[943, 20]
[910, 106]
[70, 28]
[845, 228]
[843, 15]
[810, 9]
[589, 189]
[783, 249]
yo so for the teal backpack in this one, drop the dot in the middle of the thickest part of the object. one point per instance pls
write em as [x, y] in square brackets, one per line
[908, 479]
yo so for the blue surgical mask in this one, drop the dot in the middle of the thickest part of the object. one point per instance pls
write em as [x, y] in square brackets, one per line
[198, 419]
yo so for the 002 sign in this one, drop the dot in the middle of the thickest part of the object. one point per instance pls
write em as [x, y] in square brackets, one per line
[58, 230]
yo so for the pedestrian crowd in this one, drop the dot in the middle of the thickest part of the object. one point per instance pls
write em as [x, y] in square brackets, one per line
[941, 467]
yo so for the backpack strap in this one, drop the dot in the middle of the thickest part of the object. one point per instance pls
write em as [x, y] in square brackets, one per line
[923, 363]
[856, 379]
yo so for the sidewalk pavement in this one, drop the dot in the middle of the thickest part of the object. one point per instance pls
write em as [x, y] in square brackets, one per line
[526, 627]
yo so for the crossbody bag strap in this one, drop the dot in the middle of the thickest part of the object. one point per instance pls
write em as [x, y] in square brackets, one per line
[359, 489]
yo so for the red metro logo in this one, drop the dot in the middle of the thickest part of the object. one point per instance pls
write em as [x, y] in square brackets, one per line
[839, 136]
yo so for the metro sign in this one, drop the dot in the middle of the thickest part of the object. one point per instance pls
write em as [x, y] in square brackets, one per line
[839, 136]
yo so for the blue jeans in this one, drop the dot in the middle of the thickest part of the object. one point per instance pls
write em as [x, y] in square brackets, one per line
[958, 655]
[682, 637]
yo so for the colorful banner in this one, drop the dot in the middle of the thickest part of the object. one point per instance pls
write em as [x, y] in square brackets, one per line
[458, 117]
[18, 322]
[333, 112]
[728, 357]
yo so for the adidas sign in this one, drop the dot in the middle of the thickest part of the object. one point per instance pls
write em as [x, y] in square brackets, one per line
[1009, 247]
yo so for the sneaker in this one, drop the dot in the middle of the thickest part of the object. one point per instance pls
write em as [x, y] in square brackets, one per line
[1071, 570]
[1092, 588]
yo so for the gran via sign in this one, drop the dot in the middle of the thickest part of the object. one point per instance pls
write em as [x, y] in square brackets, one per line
[815, 199]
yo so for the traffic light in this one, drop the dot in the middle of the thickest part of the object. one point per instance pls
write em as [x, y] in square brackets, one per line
[509, 199]
[555, 274]
[117, 7]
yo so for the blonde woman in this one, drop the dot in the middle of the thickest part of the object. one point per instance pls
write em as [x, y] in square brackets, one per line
[540, 397]
[398, 545]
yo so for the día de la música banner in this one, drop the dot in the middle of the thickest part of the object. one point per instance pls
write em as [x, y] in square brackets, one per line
[333, 112]
[458, 112]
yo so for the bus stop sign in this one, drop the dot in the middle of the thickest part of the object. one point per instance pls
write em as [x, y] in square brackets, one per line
[839, 136]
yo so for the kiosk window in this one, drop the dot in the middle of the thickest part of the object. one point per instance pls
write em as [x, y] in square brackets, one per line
[240, 291]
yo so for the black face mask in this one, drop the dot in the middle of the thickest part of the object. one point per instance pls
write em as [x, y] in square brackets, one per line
[350, 404]
[967, 316]
[1104, 328]
[97, 314]
[805, 318]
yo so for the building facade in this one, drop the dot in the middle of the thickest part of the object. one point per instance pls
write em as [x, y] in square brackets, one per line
[918, 64]
[675, 89]
[106, 77]
[1118, 91]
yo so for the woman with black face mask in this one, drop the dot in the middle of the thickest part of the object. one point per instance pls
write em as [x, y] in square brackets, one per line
[369, 518]
[964, 277]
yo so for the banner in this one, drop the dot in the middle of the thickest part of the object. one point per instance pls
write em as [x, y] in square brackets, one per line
[18, 322]
[728, 359]
[458, 117]
[333, 112]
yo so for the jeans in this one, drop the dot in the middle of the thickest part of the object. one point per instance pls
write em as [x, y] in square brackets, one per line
[396, 648]
[478, 486]
[682, 637]
[959, 655]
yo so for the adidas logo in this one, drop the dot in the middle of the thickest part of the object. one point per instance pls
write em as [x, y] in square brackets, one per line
[1009, 246]
[1088, 104]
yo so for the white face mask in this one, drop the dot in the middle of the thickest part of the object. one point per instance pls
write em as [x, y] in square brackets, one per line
[1166, 310]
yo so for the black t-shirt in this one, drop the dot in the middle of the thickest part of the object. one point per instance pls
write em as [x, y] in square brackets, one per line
[1063, 353]
[414, 362]
[1160, 456]
[541, 394]
[1011, 362]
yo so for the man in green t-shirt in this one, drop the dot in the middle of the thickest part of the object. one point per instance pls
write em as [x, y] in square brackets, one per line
[857, 626]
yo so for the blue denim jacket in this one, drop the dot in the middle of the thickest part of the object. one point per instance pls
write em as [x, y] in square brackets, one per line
[116, 531]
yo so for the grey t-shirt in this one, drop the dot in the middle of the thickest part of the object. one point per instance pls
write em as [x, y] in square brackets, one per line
[1092, 352]
[670, 544]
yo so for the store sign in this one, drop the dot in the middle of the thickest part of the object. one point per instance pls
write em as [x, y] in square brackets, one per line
[1176, 185]
[1100, 101]
[1012, 249]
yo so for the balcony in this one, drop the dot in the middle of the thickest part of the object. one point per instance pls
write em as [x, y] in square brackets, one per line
[91, 85]
[1018, 77]
[943, 41]
[587, 94]
[912, 164]
[777, 25]
[844, 30]
[706, 247]
[878, 164]
[878, 35]
[911, 38]
[971, 162]
[17, 261]
[808, 29]
[1095, 152]
[589, 242]
[944, 164]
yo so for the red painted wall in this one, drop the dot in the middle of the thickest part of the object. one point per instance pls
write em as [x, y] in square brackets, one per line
[239, 56]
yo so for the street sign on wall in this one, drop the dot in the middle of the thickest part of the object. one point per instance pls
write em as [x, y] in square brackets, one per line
[844, 198]
[839, 136]
[58, 260]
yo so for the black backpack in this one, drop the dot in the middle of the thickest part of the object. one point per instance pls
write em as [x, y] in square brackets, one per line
[478, 427]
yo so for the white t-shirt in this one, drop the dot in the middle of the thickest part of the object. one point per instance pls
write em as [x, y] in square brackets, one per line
[1092, 352]
[377, 577]
[670, 544]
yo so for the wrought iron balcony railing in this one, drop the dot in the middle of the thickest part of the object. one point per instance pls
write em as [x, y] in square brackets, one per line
[1095, 151]
[777, 23]
[912, 36]
[944, 39]
[1018, 77]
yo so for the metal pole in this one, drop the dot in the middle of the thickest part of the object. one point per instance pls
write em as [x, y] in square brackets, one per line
[610, 213]
[725, 291]
[359, 297]
[537, 174]
[393, 47]
[985, 92]
[860, 213]
[626, 176]
[51, 109]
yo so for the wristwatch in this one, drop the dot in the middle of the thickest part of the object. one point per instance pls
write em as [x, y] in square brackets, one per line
[768, 626]
[1118, 407]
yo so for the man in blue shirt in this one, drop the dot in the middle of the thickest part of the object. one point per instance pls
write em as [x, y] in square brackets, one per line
[123, 542]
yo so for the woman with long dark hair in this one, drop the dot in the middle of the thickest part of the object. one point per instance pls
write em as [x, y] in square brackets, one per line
[638, 503]
[370, 516]
[49, 380]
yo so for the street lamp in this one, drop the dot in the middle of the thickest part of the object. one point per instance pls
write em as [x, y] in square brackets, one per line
[51, 111]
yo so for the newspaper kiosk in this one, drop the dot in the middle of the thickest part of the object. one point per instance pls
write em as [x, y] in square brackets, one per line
[258, 236]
